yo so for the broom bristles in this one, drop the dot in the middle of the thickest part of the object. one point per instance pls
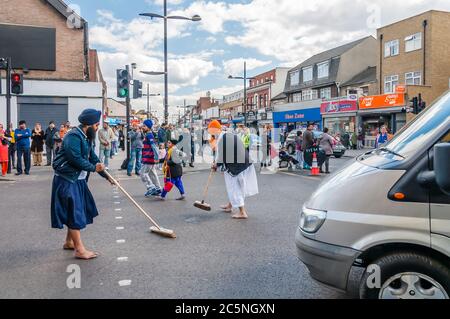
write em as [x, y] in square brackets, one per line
[163, 232]
[202, 206]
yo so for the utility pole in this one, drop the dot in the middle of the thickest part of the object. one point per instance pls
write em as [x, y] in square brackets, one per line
[148, 101]
[245, 93]
[166, 74]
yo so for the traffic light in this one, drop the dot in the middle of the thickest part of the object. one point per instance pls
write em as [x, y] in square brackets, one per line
[415, 105]
[16, 83]
[137, 89]
[123, 83]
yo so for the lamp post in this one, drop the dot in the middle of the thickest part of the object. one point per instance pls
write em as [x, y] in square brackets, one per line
[245, 78]
[194, 18]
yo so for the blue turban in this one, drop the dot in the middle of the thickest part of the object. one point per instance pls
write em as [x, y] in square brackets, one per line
[148, 123]
[90, 117]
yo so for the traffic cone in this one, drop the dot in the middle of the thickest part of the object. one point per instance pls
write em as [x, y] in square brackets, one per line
[315, 168]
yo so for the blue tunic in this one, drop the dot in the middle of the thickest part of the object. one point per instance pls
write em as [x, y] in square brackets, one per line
[72, 204]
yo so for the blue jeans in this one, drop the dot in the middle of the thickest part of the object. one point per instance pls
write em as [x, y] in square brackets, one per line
[105, 154]
[135, 156]
[26, 154]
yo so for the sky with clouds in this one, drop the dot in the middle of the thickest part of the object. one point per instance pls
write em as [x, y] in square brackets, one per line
[265, 33]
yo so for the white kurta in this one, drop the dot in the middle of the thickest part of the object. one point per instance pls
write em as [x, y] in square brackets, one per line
[241, 186]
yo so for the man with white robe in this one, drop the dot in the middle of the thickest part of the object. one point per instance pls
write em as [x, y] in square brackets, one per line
[240, 173]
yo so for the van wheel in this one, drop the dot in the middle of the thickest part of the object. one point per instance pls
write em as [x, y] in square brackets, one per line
[407, 275]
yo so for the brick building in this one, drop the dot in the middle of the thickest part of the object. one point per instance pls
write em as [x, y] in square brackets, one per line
[49, 44]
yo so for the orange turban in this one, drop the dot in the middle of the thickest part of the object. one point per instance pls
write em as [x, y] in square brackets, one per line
[214, 127]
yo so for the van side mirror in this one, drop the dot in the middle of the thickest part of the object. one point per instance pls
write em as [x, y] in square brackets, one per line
[442, 166]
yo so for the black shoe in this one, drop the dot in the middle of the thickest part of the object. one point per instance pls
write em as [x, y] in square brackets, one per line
[191, 165]
[18, 174]
[48, 165]
[129, 174]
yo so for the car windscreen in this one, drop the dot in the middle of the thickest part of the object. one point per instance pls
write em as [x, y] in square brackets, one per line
[419, 133]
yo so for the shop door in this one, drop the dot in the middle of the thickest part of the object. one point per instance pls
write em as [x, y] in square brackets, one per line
[42, 110]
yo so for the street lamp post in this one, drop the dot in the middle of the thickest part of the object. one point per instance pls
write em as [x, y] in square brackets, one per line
[194, 18]
[245, 78]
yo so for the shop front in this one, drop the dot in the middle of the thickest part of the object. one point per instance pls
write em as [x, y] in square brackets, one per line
[339, 116]
[297, 119]
[381, 110]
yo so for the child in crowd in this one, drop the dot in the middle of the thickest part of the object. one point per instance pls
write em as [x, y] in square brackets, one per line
[162, 155]
[173, 171]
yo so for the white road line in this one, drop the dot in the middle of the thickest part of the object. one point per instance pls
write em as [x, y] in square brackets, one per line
[118, 209]
[119, 217]
[116, 203]
[124, 283]
[120, 228]
[116, 197]
[121, 241]
[121, 259]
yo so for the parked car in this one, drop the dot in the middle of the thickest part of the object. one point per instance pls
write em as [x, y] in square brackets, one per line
[393, 219]
[338, 149]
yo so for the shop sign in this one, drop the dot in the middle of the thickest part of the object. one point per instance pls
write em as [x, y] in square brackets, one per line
[251, 116]
[352, 97]
[306, 115]
[381, 101]
[339, 106]
[400, 89]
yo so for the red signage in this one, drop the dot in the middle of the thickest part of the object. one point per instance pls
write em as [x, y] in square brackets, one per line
[338, 106]
[381, 101]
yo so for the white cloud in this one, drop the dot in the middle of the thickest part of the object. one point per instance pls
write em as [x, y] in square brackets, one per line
[235, 67]
[293, 30]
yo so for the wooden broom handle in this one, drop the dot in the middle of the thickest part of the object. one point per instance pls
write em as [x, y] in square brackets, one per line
[207, 184]
[131, 199]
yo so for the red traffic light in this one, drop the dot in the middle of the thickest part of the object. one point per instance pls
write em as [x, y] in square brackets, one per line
[15, 78]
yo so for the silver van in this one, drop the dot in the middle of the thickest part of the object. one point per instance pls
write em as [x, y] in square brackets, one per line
[393, 219]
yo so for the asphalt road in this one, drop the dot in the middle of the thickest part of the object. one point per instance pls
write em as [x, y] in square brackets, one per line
[213, 256]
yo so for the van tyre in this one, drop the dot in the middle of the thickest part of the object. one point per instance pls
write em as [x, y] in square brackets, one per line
[407, 275]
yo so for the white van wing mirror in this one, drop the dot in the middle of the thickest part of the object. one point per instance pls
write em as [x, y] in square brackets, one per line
[442, 166]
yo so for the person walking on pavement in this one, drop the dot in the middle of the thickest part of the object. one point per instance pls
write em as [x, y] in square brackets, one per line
[4, 155]
[11, 148]
[37, 144]
[115, 142]
[162, 135]
[326, 143]
[298, 149]
[308, 142]
[150, 159]
[137, 143]
[192, 160]
[105, 136]
[50, 142]
[121, 139]
[72, 204]
[23, 135]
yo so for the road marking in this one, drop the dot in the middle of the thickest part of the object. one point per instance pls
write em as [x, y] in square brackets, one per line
[121, 259]
[121, 241]
[116, 197]
[116, 203]
[119, 217]
[120, 228]
[124, 283]
[118, 209]
[297, 175]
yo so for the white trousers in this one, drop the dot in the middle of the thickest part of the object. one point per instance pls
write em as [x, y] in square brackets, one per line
[241, 186]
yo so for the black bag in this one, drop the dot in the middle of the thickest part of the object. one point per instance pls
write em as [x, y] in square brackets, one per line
[124, 164]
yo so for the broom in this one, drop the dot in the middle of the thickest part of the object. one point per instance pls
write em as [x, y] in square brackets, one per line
[156, 228]
[201, 204]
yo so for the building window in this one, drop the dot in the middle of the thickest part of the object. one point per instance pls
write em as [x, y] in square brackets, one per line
[308, 74]
[413, 78]
[323, 70]
[255, 101]
[308, 95]
[365, 90]
[390, 82]
[325, 93]
[391, 48]
[413, 42]
[297, 97]
[295, 78]
[266, 101]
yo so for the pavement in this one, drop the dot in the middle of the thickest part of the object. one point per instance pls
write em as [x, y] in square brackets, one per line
[214, 256]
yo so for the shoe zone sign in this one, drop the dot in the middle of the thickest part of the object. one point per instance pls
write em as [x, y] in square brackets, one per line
[306, 115]
[338, 106]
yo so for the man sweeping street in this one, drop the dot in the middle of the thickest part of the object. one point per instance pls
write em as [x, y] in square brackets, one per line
[72, 203]
[240, 173]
